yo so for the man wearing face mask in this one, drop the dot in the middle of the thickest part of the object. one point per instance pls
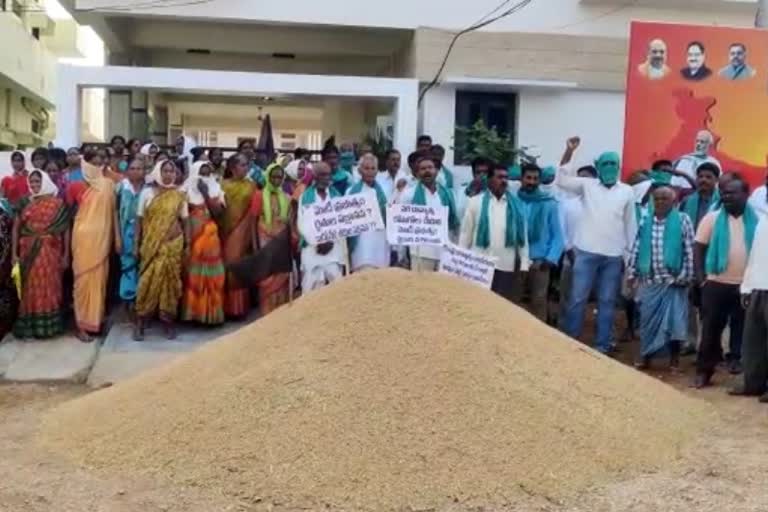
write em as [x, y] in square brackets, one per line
[691, 162]
[603, 241]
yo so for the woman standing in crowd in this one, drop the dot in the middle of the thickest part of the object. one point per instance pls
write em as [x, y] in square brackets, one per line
[149, 152]
[9, 302]
[160, 240]
[128, 193]
[74, 170]
[204, 281]
[91, 248]
[56, 172]
[271, 210]
[184, 161]
[216, 159]
[39, 158]
[16, 186]
[235, 227]
[41, 246]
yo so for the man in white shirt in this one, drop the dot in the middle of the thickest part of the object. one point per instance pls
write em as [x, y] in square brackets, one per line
[428, 192]
[754, 290]
[759, 199]
[369, 250]
[603, 240]
[486, 229]
[690, 163]
[392, 176]
[323, 263]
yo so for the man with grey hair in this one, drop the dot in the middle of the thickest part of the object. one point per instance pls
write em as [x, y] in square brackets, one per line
[690, 162]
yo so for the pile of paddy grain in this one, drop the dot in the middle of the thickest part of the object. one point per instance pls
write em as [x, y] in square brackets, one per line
[387, 390]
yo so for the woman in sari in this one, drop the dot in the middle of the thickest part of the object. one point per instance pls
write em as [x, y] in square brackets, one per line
[235, 225]
[161, 234]
[9, 303]
[41, 246]
[204, 281]
[16, 186]
[127, 194]
[91, 248]
[271, 211]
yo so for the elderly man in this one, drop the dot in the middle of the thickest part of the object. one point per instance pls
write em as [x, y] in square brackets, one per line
[697, 69]
[604, 237]
[369, 250]
[692, 161]
[655, 65]
[662, 262]
[323, 263]
[737, 68]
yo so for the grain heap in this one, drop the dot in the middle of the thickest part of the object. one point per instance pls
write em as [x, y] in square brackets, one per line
[387, 390]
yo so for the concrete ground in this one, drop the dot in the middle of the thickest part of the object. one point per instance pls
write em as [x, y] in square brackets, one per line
[105, 361]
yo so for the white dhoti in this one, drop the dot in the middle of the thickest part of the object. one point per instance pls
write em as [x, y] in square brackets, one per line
[321, 275]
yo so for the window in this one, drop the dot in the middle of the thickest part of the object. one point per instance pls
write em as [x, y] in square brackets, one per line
[495, 109]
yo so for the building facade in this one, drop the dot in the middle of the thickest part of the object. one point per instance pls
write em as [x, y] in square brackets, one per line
[553, 69]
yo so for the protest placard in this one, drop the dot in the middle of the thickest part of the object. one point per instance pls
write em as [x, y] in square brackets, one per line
[468, 265]
[342, 217]
[410, 224]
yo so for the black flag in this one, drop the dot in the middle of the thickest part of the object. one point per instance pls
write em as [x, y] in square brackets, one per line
[273, 258]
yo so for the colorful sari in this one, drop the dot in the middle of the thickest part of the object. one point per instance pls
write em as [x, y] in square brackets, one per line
[44, 220]
[236, 241]
[127, 205]
[271, 211]
[9, 302]
[204, 281]
[161, 256]
[91, 248]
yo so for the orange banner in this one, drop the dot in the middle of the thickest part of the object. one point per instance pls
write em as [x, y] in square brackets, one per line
[684, 81]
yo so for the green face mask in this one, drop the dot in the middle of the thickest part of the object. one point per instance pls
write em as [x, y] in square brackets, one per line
[608, 168]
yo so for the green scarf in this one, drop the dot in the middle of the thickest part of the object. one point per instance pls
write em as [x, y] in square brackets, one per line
[448, 177]
[608, 168]
[537, 201]
[269, 190]
[380, 197]
[446, 199]
[719, 245]
[691, 206]
[308, 198]
[673, 245]
[515, 233]
[347, 161]
[515, 172]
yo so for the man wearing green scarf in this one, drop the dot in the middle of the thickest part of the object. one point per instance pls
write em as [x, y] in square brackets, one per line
[545, 240]
[662, 263]
[428, 192]
[723, 243]
[369, 250]
[494, 224]
[323, 263]
[603, 239]
[444, 174]
[341, 179]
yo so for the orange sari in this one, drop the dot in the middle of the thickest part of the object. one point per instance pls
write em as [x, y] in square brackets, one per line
[236, 241]
[91, 246]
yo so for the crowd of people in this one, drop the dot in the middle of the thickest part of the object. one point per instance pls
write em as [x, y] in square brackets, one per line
[681, 251]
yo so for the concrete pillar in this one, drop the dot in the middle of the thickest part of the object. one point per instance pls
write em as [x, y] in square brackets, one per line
[68, 109]
[438, 113]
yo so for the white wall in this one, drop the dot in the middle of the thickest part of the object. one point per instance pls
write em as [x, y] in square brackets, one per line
[607, 17]
[545, 118]
[548, 118]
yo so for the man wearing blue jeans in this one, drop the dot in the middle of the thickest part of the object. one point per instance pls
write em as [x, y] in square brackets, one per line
[602, 241]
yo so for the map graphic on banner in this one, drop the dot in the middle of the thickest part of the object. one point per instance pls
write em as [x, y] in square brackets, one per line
[683, 79]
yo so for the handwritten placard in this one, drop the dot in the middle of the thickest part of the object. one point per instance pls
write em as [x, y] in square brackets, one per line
[410, 224]
[468, 265]
[342, 217]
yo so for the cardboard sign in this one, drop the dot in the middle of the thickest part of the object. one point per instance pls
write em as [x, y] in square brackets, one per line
[342, 217]
[410, 224]
[468, 265]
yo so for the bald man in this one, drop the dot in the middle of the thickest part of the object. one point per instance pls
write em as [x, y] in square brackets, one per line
[689, 163]
[655, 65]
[662, 264]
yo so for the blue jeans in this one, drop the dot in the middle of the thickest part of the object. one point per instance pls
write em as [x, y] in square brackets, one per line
[604, 274]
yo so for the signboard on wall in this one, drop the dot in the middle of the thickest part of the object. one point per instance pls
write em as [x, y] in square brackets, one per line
[684, 80]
